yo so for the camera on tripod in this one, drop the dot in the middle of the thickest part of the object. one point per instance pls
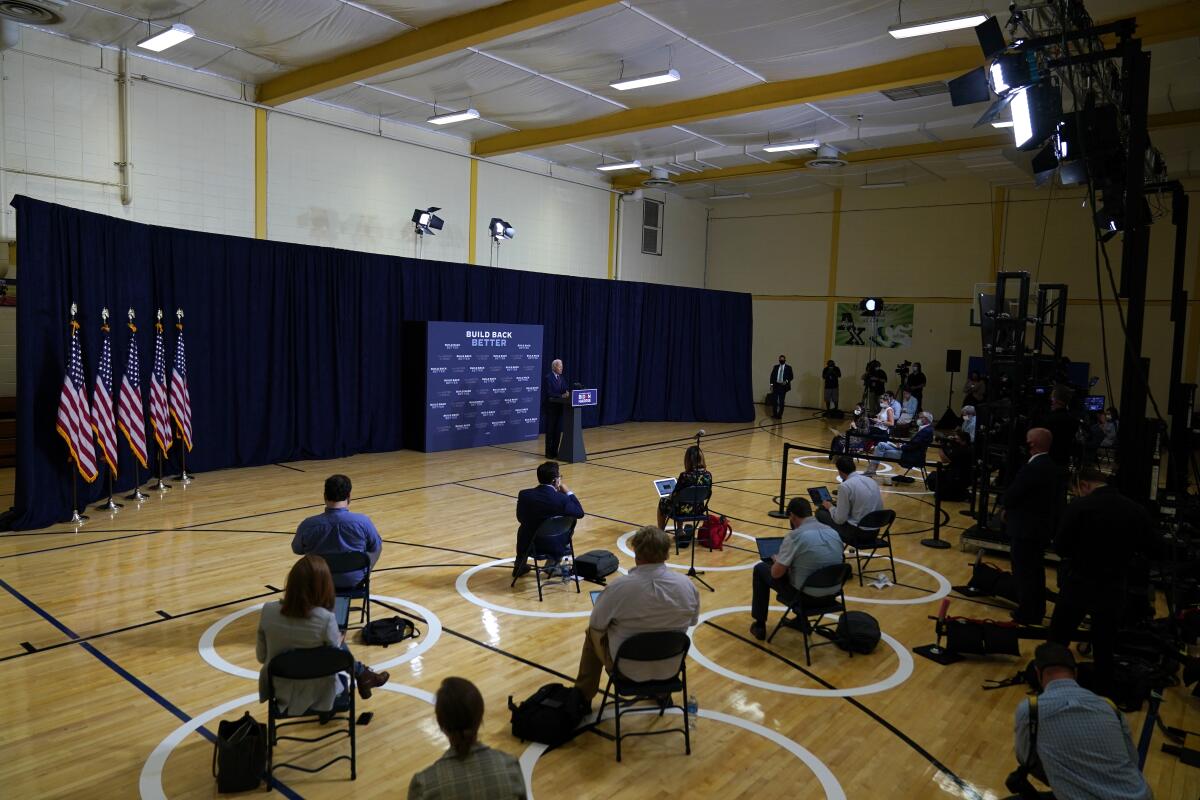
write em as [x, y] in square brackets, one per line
[903, 368]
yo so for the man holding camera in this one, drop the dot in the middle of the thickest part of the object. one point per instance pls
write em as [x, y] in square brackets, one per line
[1071, 739]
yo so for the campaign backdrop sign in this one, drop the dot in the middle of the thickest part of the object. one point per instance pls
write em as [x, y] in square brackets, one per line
[483, 384]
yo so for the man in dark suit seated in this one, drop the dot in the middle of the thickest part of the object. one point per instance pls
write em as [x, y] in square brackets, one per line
[554, 387]
[1031, 510]
[914, 448]
[551, 498]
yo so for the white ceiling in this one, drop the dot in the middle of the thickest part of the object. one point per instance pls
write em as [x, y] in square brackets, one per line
[559, 74]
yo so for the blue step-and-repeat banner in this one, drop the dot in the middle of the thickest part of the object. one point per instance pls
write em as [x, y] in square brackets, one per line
[483, 384]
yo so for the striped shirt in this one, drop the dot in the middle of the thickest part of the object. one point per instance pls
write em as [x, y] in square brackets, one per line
[483, 774]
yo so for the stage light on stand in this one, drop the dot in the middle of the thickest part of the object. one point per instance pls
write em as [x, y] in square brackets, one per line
[500, 230]
[425, 221]
[871, 306]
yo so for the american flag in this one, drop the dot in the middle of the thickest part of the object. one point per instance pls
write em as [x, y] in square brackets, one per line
[130, 415]
[160, 417]
[181, 404]
[103, 422]
[73, 413]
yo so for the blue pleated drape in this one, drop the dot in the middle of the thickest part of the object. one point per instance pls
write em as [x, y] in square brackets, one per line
[295, 352]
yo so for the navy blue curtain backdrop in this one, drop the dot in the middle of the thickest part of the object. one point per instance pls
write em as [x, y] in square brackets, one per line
[294, 351]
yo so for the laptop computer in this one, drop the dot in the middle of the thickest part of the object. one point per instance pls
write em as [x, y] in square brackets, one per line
[819, 495]
[595, 596]
[664, 486]
[768, 546]
[341, 612]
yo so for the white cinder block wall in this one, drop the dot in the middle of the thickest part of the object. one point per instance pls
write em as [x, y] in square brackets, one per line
[334, 178]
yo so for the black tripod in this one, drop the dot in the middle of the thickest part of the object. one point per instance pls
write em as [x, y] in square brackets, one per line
[696, 498]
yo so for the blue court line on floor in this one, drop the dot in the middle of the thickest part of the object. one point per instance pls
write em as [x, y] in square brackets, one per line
[129, 676]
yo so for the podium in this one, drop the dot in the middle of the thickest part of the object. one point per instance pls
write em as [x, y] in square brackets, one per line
[571, 448]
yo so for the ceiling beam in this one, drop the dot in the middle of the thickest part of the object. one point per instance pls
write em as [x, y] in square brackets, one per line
[448, 35]
[1155, 25]
[905, 152]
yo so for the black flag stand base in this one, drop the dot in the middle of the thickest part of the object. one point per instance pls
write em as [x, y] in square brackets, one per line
[76, 517]
[137, 493]
[111, 504]
[158, 485]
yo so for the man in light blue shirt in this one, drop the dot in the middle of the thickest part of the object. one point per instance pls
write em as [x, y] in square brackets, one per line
[1081, 744]
[339, 530]
[858, 496]
[807, 548]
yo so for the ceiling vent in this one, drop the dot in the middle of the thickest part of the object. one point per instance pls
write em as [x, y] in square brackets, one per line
[918, 90]
[827, 157]
[34, 12]
[659, 179]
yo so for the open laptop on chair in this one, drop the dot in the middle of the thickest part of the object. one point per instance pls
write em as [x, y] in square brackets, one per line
[664, 486]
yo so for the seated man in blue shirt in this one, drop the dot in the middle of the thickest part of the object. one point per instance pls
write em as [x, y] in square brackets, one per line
[1081, 746]
[807, 548]
[337, 529]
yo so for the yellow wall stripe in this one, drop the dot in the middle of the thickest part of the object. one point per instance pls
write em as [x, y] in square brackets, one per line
[473, 213]
[612, 234]
[834, 239]
[999, 210]
[260, 173]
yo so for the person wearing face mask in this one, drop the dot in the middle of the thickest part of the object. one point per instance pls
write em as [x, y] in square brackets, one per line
[1031, 504]
[916, 384]
[968, 422]
[781, 384]
[1108, 426]
[885, 419]
[830, 377]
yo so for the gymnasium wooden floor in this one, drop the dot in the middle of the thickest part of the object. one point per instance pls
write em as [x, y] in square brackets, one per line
[101, 629]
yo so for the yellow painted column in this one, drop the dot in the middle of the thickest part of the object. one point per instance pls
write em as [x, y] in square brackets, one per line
[999, 209]
[473, 213]
[260, 173]
[831, 290]
[612, 234]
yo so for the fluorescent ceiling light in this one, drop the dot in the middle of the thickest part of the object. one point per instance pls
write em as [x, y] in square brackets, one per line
[650, 79]
[618, 165]
[783, 148]
[884, 185]
[729, 196]
[927, 26]
[169, 38]
[453, 116]
[1002, 123]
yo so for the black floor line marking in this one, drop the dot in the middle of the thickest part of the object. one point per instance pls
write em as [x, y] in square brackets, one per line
[445, 549]
[473, 640]
[29, 648]
[273, 588]
[285, 466]
[163, 614]
[917, 588]
[908, 740]
[655, 475]
[589, 513]
[147, 623]
[421, 566]
[83, 544]
[969, 598]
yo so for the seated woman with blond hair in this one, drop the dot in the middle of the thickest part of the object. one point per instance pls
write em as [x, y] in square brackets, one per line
[469, 770]
[303, 619]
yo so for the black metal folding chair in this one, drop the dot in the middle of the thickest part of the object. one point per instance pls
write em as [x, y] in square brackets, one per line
[309, 664]
[689, 509]
[625, 693]
[553, 537]
[876, 529]
[340, 563]
[811, 609]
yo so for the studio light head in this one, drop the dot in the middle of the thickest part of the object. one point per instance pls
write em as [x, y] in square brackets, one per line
[500, 230]
[1035, 112]
[871, 306]
[426, 221]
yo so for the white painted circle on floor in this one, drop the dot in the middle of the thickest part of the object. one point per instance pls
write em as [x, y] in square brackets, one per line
[884, 467]
[829, 782]
[208, 650]
[463, 589]
[902, 673]
[623, 546]
[942, 590]
[150, 781]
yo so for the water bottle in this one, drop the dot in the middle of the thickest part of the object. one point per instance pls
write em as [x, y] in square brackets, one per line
[564, 569]
[693, 710]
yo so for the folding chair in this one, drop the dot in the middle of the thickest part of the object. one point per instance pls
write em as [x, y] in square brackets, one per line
[553, 536]
[340, 563]
[625, 693]
[308, 664]
[910, 460]
[695, 500]
[808, 607]
[878, 526]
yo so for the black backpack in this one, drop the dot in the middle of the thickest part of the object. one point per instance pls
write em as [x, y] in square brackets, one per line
[388, 631]
[550, 716]
[240, 754]
[858, 632]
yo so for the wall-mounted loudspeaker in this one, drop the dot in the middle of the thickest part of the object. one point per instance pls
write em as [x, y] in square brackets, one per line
[953, 360]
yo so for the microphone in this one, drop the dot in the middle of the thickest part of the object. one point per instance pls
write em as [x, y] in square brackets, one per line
[700, 433]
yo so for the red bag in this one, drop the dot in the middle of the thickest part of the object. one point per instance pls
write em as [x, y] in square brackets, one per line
[714, 532]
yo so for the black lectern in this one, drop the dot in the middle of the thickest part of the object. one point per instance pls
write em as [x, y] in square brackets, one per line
[571, 449]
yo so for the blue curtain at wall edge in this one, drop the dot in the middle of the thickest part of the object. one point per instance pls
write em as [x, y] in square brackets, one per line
[294, 351]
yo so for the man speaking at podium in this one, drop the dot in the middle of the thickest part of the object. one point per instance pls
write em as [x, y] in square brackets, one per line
[554, 386]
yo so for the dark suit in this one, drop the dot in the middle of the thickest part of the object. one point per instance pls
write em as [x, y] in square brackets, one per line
[1098, 538]
[535, 506]
[1032, 503]
[1062, 425]
[552, 387]
[779, 388]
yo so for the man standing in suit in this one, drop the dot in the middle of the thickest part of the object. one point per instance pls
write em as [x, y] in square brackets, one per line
[1031, 505]
[554, 387]
[781, 384]
[551, 498]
